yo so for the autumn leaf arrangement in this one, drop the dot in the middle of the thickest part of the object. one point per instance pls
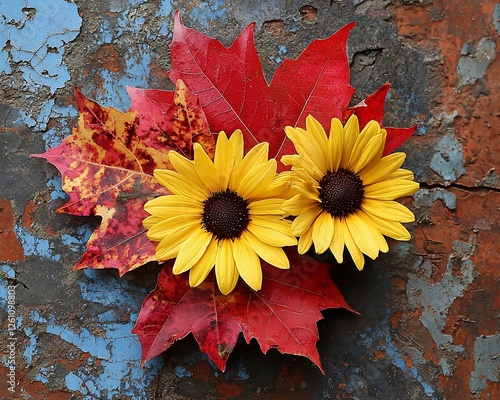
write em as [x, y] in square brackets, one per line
[229, 182]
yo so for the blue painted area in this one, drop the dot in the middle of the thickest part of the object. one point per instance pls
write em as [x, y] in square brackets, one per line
[34, 246]
[115, 352]
[447, 161]
[43, 374]
[486, 363]
[164, 12]
[31, 347]
[181, 372]
[37, 35]
[425, 198]
[8, 271]
[35, 316]
[109, 291]
[119, 354]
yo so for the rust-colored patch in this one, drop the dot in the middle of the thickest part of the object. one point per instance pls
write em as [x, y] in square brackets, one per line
[108, 57]
[27, 218]
[10, 247]
[29, 389]
[441, 30]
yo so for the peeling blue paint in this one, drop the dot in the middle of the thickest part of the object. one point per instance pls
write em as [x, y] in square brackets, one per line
[435, 299]
[8, 271]
[34, 246]
[496, 17]
[486, 363]
[447, 161]
[476, 60]
[164, 12]
[37, 35]
[119, 355]
[31, 347]
[425, 198]
[181, 372]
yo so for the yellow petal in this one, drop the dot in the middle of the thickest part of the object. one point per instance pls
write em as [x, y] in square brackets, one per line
[297, 204]
[305, 241]
[270, 254]
[374, 231]
[351, 132]
[323, 232]
[266, 207]
[164, 228]
[316, 143]
[191, 250]
[178, 184]
[362, 236]
[169, 206]
[382, 169]
[187, 169]
[273, 232]
[369, 131]
[224, 159]
[206, 170]
[356, 254]
[391, 229]
[169, 246]
[402, 174]
[247, 263]
[225, 267]
[338, 242]
[306, 190]
[305, 220]
[368, 153]
[150, 221]
[391, 189]
[256, 156]
[199, 271]
[335, 144]
[257, 180]
[390, 210]
[237, 144]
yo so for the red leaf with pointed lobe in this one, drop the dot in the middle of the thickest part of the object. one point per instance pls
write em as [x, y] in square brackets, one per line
[283, 315]
[107, 165]
[372, 108]
[235, 95]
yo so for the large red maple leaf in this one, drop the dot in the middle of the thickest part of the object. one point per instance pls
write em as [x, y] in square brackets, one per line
[107, 169]
[234, 93]
[283, 315]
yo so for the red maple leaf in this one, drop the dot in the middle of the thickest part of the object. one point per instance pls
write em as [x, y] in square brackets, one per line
[234, 93]
[107, 166]
[283, 315]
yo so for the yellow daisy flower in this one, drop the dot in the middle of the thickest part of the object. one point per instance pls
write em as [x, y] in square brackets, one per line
[345, 189]
[224, 213]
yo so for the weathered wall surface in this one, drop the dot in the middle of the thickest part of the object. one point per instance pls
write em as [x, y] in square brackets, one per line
[429, 325]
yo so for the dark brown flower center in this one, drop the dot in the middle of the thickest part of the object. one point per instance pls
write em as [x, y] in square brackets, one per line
[341, 192]
[225, 215]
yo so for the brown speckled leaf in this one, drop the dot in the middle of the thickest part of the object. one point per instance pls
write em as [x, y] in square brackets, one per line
[107, 165]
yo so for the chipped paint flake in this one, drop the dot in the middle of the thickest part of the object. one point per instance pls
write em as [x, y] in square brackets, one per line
[486, 363]
[425, 198]
[447, 161]
[475, 61]
[436, 299]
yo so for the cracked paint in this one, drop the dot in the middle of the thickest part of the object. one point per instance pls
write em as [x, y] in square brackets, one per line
[34, 37]
[436, 298]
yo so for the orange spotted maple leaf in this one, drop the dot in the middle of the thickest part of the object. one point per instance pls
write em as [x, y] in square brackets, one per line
[107, 169]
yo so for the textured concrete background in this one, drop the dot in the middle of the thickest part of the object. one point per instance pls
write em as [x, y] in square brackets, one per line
[429, 325]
